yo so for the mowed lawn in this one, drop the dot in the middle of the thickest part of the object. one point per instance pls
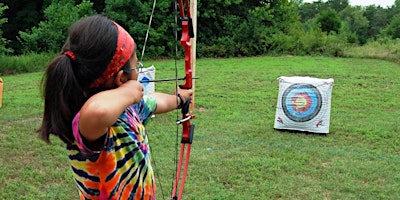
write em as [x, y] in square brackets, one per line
[236, 153]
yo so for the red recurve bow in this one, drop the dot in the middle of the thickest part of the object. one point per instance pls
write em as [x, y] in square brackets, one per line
[187, 126]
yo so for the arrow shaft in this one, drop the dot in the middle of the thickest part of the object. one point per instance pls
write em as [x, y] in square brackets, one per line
[163, 80]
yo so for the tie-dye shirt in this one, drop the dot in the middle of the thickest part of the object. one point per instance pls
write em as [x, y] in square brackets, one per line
[122, 168]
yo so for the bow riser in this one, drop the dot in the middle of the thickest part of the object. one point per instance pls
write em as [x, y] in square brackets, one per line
[185, 43]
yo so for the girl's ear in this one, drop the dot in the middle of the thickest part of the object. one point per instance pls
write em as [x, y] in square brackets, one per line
[120, 78]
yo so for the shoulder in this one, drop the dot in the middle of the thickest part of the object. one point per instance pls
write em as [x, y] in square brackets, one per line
[145, 108]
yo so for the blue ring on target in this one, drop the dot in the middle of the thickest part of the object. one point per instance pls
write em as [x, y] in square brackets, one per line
[301, 102]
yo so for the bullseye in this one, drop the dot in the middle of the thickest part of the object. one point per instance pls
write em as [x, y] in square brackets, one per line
[301, 102]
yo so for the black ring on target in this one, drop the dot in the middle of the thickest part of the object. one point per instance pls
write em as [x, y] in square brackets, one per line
[301, 102]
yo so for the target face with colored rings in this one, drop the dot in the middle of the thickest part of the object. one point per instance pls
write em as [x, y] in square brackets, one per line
[301, 102]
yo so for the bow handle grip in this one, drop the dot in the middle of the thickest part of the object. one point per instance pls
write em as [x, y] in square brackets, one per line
[186, 106]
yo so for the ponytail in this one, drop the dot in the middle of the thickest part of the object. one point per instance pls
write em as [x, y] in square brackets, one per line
[63, 97]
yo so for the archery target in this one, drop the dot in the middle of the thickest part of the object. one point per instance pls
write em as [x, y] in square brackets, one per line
[301, 102]
[304, 104]
[145, 74]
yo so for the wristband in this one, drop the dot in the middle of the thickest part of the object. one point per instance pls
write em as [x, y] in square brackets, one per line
[181, 99]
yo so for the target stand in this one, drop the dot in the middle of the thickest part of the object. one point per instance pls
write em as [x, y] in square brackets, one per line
[304, 104]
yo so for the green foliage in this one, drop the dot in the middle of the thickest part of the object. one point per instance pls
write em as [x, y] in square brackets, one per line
[50, 35]
[378, 19]
[309, 11]
[338, 5]
[135, 15]
[310, 42]
[224, 28]
[256, 34]
[221, 31]
[22, 16]
[393, 29]
[357, 24]
[3, 41]
[346, 32]
[329, 21]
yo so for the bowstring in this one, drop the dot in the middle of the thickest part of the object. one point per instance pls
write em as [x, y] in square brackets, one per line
[176, 87]
[141, 71]
[140, 63]
[148, 30]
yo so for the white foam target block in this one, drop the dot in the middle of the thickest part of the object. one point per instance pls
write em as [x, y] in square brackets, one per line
[146, 74]
[304, 104]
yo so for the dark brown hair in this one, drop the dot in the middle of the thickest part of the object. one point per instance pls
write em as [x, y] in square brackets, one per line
[66, 82]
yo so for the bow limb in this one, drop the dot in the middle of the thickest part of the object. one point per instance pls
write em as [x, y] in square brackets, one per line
[187, 126]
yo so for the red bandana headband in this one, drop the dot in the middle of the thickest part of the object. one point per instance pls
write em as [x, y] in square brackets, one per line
[123, 53]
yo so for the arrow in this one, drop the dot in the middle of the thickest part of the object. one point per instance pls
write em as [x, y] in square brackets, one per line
[167, 79]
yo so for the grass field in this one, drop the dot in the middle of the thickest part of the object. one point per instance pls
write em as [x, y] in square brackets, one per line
[236, 153]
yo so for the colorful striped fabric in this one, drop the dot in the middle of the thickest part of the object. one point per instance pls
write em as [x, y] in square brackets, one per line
[122, 169]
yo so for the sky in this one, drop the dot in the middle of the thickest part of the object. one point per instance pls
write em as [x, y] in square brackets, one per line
[383, 3]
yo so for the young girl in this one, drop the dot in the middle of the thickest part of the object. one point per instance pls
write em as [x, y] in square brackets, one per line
[94, 104]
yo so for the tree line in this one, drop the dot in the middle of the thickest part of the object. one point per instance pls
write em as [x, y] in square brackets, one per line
[224, 28]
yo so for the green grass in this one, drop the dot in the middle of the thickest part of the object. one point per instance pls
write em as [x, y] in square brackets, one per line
[236, 153]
